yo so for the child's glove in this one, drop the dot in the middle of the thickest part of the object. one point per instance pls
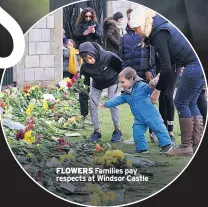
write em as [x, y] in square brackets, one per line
[154, 81]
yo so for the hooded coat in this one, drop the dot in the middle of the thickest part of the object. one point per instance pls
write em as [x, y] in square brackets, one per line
[104, 72]
[112, 35]
[92, 37]
[134, 56]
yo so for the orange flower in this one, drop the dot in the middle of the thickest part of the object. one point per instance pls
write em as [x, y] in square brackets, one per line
[98, 148]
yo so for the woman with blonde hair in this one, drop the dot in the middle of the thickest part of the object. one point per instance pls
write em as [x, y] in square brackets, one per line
[174, 51]
[87, 27]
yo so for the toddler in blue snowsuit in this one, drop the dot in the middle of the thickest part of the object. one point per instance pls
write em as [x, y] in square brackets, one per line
[137, 94]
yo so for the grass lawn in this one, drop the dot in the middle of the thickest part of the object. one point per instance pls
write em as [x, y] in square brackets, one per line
[161, 175]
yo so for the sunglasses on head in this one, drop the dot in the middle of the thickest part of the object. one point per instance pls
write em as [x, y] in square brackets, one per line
[88, 16]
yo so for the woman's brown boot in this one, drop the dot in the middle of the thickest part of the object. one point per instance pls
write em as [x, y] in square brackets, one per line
[185, 148]
[198, 130]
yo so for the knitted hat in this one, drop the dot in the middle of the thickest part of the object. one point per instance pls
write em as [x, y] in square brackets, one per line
[117, 16]
[142, 17]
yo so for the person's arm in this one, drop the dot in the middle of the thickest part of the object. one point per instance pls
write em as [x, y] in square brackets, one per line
[122, 55]
[148, 90]
[116, 63]
[145, 62]
[111, 38]
[98, 31]
[86, 77]
[79, 32]
[160, 42]
[66, 53]
[115, 102]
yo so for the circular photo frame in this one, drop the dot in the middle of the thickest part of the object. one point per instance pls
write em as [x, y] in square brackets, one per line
[108, 104]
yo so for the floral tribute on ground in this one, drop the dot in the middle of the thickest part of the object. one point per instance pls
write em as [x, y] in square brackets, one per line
[43, 128]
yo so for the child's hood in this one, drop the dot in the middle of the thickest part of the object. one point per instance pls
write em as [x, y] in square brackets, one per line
[93, 48]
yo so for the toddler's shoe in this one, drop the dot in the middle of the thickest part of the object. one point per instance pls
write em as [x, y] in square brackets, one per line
[129, 141]
[166, 148]
[116, 136]
[141, 151]
[95, 136]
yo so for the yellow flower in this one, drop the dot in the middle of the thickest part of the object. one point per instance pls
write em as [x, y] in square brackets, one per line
[114, 160]
[45, 105]
[28, 111]
[108, 153]
[129, 163]
[31, 106]
[95, 200]
[66, 108]
[108, 157]
[118, 154]
[30, 140]
[67, 80]
[28, 134]
[65, 124]
[72, 119]
[111, 196]
[27, 94]
[100, 160]
[30, 155]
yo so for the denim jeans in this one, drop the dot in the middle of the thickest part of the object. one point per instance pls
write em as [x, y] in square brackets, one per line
[189, 88]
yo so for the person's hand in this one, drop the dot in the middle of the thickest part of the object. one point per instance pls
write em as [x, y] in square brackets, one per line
[91, 29]
[102, 106]
[86, 32]
[154, 81]
[155, 96]
[148, 75]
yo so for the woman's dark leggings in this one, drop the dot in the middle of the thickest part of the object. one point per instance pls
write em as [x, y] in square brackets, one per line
[166, 101]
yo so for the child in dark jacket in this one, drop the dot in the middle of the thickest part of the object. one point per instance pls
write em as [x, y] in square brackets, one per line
[137, 94]
[103, 67]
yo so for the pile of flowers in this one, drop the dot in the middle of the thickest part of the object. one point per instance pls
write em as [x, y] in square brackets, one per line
[52, 107]
[42, 121]
[67, 83]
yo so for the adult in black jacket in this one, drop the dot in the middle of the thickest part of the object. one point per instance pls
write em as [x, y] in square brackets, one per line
[174, 51]
[103, 67]
[87, 28]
